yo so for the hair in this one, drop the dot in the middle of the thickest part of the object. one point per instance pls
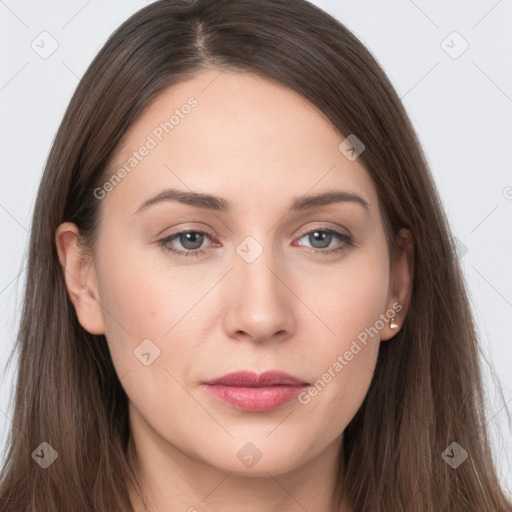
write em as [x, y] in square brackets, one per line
[427, 389]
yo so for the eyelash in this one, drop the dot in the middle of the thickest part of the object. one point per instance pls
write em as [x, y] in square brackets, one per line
[348, 242]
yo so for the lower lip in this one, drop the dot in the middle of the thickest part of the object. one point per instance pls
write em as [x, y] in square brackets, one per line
[254, 399]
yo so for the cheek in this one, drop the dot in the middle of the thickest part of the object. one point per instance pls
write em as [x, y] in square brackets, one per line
[130, 298]
[133, 302]
[148, 304]
[140, 307]
[350, 303]
[140, 291]
[350, 296]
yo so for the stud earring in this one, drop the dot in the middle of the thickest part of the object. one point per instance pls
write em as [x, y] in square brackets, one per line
[392, 324]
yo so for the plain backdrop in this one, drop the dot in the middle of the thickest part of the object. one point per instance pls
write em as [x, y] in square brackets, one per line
[451, 63]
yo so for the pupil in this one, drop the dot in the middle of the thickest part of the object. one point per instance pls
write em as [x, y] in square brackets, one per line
[193, 236]
[322, 235]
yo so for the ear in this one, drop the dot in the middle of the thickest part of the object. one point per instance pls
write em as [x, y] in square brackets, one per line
[80, 278]
[400, 286]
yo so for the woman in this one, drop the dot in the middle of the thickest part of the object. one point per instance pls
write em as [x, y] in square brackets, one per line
[242, 290]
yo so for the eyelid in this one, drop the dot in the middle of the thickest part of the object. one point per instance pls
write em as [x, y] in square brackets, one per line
[211, 234]
[346, 241]
[323, 227]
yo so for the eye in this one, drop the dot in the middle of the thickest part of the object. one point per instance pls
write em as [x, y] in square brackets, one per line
[321, 238]
[191, 241]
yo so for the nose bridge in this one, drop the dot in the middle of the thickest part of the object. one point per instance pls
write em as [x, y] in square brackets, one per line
[259, 305]
[255, 268]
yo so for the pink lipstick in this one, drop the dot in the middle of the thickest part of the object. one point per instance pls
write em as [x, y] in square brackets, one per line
[254, 392]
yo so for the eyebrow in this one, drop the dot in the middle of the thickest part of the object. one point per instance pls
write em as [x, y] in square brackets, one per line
[219, 204]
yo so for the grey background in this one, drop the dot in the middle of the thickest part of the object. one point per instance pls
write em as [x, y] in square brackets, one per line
[461, 106]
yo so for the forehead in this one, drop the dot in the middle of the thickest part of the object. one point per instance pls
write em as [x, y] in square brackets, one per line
[235, 135]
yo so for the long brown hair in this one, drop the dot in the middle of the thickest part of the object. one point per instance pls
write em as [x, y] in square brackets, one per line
[427, 390]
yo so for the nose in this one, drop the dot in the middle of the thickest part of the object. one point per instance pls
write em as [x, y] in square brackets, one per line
[259, 300]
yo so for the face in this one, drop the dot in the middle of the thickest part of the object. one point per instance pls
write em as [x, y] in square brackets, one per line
[260, 279]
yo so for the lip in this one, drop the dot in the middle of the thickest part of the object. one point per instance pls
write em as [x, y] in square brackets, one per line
[254, 392]
[254, 380]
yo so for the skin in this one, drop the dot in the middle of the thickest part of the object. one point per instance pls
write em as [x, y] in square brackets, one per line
[259, 145]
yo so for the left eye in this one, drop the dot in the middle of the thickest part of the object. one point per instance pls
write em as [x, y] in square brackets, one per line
[324, 236]
[191, 241]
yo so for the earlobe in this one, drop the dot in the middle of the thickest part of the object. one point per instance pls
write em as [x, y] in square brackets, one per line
[80, 278]
[400, 286]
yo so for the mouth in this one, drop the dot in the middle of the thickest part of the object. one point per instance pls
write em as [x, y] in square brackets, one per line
[253, 392]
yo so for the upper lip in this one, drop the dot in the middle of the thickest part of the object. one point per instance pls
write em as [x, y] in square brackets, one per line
[255, 380]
